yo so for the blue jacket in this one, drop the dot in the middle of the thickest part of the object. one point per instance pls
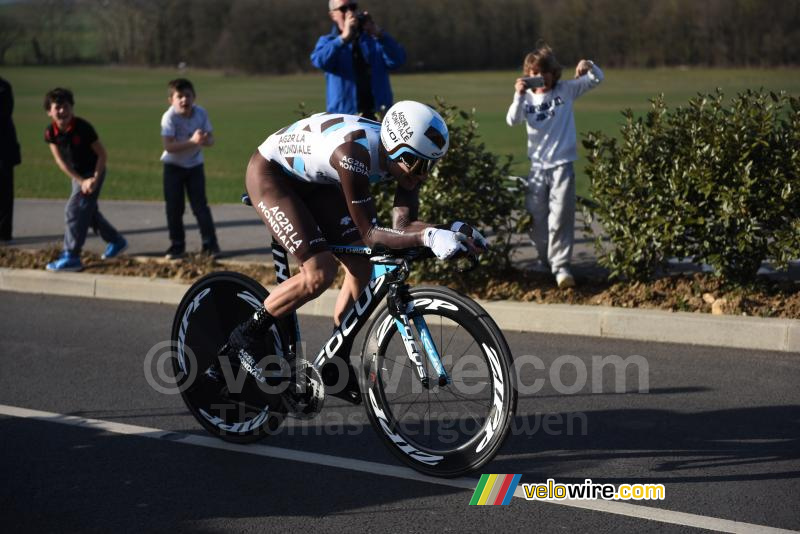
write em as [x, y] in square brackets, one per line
[336, 58]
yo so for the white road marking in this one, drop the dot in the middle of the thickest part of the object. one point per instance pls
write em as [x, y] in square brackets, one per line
[394, 471]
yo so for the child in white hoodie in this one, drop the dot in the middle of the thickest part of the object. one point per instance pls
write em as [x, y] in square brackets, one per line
[545, 105]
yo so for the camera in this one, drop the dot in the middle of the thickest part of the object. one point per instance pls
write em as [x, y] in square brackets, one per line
[532, 82]
[362, 19]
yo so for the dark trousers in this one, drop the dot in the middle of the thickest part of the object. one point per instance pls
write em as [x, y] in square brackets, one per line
[193, 180]
[82, 213]
[6, 201]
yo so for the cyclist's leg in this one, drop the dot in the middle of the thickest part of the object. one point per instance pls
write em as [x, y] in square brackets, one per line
[329, 207]
[316, 274]
[278, 199]
[340, 378]
[358, 271]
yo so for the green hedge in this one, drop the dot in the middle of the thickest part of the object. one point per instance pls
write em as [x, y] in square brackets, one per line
[716, 182]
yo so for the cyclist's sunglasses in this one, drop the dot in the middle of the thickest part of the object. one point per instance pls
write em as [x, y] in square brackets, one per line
[416, 164]
[347, 7]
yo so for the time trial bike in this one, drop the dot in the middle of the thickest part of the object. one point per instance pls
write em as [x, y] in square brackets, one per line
[435, 372]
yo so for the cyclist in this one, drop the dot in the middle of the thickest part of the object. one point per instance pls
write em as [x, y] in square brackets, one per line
[310, 184]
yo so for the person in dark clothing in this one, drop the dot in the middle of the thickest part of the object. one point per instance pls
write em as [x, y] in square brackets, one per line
[9, 158]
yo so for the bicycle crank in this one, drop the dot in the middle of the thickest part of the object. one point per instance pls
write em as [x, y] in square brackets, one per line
[305, 395]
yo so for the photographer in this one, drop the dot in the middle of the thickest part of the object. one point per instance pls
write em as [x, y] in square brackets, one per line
[356, 56]
[543, 102]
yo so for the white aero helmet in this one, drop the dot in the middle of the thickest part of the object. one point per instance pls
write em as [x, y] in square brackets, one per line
[414, 134]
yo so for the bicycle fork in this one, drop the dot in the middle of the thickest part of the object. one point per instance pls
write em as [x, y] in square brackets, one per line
[401, 306]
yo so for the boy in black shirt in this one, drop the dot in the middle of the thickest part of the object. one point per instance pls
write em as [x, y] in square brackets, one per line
[78, 152]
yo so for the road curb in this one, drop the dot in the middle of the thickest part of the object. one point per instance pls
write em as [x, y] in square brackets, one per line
[598, 321]
[155, 290]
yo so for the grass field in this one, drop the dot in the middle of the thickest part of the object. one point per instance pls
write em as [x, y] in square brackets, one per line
[125, 106]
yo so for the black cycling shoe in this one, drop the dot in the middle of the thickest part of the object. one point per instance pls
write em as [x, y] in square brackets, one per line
[245, 347]
[214, 371]
[330, 377]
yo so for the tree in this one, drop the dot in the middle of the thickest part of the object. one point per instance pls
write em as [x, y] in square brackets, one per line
[11, 32]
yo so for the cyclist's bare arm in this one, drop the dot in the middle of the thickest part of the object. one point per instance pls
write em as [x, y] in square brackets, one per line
[405, 212]
[351, 161]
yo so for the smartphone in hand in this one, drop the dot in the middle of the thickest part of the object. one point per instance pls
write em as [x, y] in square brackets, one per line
[532, 82]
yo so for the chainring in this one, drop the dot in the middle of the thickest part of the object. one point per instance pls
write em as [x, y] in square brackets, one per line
[305, 396]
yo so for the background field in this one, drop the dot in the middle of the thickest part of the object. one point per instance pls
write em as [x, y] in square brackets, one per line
[126, 104]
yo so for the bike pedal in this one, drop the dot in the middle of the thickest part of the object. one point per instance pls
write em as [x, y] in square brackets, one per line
[309, 400]
[214, 374]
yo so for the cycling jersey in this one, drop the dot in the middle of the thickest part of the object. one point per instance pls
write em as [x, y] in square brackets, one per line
[307, 149]
[325, 150]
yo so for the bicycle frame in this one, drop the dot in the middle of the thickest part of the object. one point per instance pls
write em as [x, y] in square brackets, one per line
[388, 280]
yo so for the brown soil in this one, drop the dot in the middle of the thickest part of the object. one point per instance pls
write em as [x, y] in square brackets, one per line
[693, 293]
[186, 270]
[702, 293]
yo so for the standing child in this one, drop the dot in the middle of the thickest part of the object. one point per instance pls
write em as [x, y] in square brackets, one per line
[546, 107]
[185, 130]
[79, 153]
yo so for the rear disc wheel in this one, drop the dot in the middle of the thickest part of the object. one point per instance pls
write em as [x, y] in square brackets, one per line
[237, 409]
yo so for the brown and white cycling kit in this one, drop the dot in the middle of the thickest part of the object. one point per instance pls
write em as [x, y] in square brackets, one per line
[310, 183]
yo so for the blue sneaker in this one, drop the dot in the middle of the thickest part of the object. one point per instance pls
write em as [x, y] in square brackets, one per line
[65, 262]
[113, 249]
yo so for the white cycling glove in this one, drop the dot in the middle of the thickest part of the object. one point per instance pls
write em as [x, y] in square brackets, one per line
[444, 243]
[472, 233]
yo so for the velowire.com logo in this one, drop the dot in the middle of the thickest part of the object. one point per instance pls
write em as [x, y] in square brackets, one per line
[495, 489]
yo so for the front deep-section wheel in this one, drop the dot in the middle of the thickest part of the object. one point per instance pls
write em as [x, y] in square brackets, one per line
[441, 428]
[236, 409]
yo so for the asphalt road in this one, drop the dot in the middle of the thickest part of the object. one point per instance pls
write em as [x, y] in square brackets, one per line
[719, 428]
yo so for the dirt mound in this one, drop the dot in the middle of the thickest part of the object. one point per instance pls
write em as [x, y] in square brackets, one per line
[186, 270]
[702, 293]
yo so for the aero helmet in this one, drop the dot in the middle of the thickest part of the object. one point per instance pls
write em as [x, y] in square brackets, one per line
[415, 134]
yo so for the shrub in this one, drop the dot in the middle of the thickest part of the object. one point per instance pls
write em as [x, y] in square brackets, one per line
[717, 183]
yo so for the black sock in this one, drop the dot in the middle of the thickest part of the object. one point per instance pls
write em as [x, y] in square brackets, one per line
[259, 323]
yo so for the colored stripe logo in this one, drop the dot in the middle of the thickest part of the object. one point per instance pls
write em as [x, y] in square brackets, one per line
[495, 489]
